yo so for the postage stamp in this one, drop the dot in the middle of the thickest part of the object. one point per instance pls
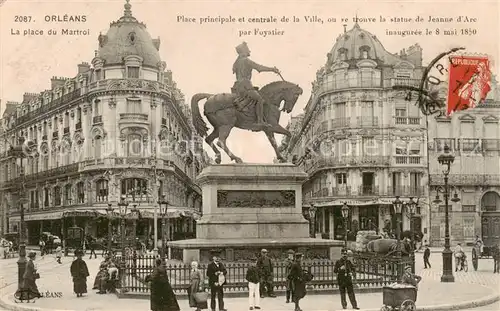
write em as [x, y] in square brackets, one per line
[469, 82]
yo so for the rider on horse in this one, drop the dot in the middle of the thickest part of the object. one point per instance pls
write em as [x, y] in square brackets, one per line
[243, 87]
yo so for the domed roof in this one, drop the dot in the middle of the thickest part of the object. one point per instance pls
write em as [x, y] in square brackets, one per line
[355, 42]
[125, 37]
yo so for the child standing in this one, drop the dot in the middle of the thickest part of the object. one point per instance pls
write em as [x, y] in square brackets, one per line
[59, 253]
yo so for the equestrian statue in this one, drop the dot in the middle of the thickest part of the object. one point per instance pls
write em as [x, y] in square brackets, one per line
[246, 107]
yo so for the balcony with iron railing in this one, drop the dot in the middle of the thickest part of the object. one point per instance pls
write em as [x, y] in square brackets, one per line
[388, 83]
[340, 123]
[341, 190]
[134, 118]
[367, 121]
[368, 190]
[57, 172]
[408, 160]
[135, 84]
[317, 163]
[466, 179]
[406, 191]
[407, 120]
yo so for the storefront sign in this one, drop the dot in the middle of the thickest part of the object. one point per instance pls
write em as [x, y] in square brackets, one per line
[41, 216]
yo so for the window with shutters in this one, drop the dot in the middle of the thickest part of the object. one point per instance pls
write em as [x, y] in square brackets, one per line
[133, 72]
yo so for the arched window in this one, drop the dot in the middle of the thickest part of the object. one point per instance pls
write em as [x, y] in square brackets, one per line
[68, 194]
[80, 193]
[102, 190]
[135, 188]
[490, 202]
[57, 196]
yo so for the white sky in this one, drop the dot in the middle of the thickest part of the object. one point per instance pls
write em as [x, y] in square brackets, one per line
[201, 56]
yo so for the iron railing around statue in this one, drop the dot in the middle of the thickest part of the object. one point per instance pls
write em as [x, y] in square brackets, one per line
[371, 271]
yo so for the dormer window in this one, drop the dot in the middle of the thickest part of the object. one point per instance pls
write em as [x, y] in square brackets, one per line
[364, 54]
[132, 72]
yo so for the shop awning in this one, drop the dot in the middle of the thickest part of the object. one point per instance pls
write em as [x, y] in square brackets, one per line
[39, 216]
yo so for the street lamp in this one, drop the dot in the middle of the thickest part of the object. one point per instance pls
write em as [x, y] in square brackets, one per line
[345, 215]
[136, 213]
[109, 212]
[312, 220]
[446, 159]
[163, 204]
[398, 207]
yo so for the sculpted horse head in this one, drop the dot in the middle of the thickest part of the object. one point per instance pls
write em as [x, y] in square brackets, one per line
[279, 92]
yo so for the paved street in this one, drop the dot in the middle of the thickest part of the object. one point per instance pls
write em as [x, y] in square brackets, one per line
[56, 278]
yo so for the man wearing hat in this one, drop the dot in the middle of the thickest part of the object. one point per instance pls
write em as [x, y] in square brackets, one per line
[216, 274]
[297, 281]
[265, 266]
[345, 270]
[410, 278]
[289, 263]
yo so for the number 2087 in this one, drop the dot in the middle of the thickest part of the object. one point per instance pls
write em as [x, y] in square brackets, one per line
[22, 19]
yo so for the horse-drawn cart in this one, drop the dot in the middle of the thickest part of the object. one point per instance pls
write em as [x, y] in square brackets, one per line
[399, 297]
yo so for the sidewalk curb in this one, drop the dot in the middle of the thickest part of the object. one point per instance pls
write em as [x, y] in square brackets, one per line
[8, 304]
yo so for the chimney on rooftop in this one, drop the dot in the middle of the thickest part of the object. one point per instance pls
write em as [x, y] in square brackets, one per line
[83, 67]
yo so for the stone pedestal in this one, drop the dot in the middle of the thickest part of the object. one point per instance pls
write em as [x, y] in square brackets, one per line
[247, 207]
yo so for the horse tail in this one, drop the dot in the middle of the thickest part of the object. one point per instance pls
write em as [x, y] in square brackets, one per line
[198, 122]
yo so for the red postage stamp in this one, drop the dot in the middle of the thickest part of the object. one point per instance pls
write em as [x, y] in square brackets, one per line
[469, 82]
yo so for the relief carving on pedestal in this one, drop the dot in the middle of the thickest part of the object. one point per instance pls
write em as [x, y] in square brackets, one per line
[256, 198]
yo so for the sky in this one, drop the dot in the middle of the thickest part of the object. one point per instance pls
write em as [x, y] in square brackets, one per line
[201, 55]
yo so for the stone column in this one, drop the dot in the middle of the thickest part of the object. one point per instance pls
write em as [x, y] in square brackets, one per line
[111, 138]
[155, 119]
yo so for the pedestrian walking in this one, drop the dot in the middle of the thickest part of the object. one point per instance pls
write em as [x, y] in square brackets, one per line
[427, 254]
[29, 288]
[195, 285]
[216, 273]
[345, 270]
[79, 272]
[162, 295]
[253, 279]
[265, 265]
[58, 254]
[297, 279]
[289, 263]
[459, 256]
[42, 247]
[91, 245]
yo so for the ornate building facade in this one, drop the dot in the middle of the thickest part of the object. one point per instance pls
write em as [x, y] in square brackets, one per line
[119, 129]
[474, 138]
[367, 142]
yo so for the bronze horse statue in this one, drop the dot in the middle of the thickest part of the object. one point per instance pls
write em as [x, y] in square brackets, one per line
[225, 111]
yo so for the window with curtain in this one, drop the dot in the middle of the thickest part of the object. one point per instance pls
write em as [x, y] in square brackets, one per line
[137, 188]
[80, 192]
[102, 190]
[67, 195]
[467, 129]
[133, 72]
[133, 105]
[396, 183]
[366, 77]
[57, 196]
[134, 145]
[415, 178]
[46, 195]
[369, 146]
[401, 148]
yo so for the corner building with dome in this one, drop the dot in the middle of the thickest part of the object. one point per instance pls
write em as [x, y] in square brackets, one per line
[118, 129]
[368, 144]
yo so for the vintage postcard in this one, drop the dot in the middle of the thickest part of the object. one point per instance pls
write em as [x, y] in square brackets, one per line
[249, 155]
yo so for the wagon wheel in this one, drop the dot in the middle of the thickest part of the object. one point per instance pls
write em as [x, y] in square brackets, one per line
[385, 308]
[408, 305]
[465, 265]
[475, 259]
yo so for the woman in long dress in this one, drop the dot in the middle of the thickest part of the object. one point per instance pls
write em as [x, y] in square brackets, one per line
[29, 288]
[79, 272]
[196, 284]
[162, 294]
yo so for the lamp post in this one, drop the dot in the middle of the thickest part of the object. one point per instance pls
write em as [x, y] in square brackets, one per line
[446, 159]
[18, 152]
[109, 212]
[345, 215]
[122, 205]
[136, 213]
[312, 220]
[398, 207]
[412, 206]
[163, 204]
